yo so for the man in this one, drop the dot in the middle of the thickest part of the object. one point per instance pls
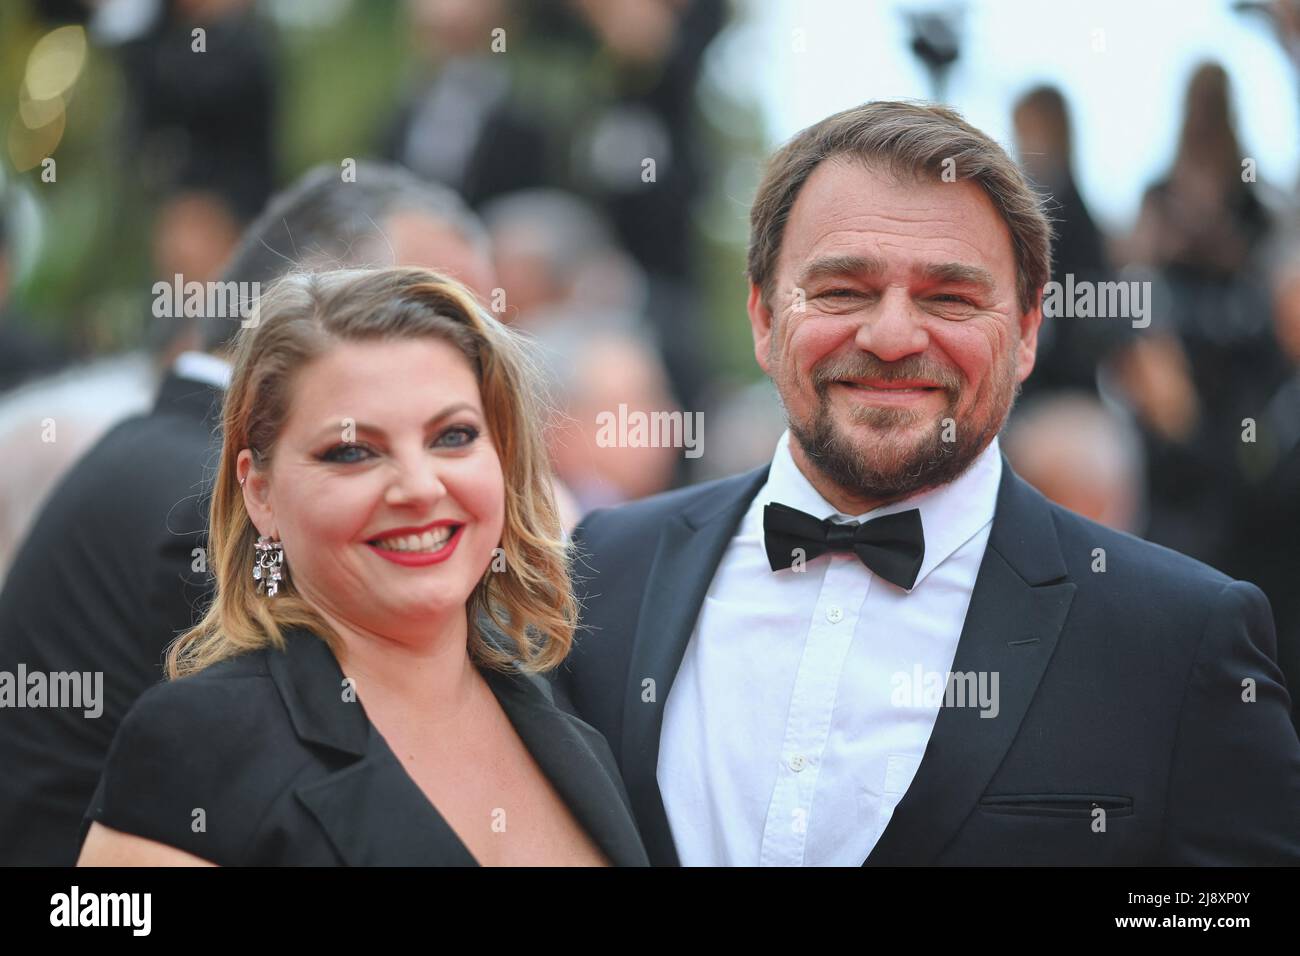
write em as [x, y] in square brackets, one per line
[114, 567]
[972, 675]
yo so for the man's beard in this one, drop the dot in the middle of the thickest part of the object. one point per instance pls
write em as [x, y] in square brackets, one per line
[886, 471]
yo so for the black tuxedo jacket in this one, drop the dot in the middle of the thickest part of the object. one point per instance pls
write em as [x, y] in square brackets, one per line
[288, 772]
[104, 581]
[1120, 689]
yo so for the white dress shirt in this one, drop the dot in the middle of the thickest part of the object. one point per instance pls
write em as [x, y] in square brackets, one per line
[203, 367]
[795, 723]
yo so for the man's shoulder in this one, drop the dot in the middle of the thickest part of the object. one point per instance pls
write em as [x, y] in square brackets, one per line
[700, 500]
[1121, 561]
[148, 451]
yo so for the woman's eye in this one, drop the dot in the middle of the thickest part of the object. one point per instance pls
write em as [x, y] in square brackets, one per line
[458, 436]
[346, 454]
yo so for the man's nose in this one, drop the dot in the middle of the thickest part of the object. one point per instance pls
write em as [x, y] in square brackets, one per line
[892, 330]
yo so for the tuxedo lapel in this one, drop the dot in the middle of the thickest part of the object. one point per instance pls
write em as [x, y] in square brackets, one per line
[1018, 606]
[687, 554]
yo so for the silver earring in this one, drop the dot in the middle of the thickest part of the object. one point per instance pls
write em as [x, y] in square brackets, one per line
[268, 560]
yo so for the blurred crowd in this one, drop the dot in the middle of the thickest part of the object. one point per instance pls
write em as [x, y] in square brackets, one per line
[573, 218]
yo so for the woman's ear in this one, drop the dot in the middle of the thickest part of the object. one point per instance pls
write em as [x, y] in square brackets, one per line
[257, 494]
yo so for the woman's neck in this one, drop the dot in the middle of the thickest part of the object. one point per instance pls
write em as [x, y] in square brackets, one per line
[434, 678]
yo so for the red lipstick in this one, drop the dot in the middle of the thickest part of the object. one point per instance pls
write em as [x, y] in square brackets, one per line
[416, 559]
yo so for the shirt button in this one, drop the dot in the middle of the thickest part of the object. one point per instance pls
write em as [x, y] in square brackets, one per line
[834, 614]
[798, 762]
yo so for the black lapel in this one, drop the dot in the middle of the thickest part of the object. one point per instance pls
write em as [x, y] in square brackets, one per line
[372, 811]
[1016, 612]
[190, 397]
[375, 814]
[690, 546]
[567, 755]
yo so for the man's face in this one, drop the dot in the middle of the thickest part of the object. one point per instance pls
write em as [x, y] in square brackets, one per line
[893, 332]
[420, 240]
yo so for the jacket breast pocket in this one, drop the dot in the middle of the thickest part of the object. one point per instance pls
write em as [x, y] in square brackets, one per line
[1056, 804]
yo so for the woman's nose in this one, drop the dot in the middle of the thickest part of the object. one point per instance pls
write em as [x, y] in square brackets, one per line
[416, 481]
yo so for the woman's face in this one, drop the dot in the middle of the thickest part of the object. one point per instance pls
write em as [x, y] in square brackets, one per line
[384, 486]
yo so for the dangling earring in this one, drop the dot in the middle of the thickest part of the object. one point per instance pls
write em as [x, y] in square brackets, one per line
[268, 559]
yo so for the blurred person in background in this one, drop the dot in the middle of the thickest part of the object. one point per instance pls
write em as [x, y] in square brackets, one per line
[554, 251]
[193, 235]
[203, 120]
[197, 135]
[1079, 454]
[597, 363]
[655, 52]
[1069, 349]
[1209, 356]
[568, 281]
[1266, 544]
[462, 124]
[116, 564]
[745, 423]
[652, 52]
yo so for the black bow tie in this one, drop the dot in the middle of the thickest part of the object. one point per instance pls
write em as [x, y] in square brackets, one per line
[892, 545]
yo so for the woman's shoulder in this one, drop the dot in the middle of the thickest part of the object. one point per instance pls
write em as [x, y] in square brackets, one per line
[197, 760]
[217, 699]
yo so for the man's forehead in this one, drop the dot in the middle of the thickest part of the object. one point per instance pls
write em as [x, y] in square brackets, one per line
[848, 208]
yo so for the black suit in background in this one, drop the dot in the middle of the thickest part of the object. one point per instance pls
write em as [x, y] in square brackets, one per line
[290, 773]
[103, 582]
[1120, 689]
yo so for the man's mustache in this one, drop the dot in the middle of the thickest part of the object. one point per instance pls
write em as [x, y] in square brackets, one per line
[864, 365]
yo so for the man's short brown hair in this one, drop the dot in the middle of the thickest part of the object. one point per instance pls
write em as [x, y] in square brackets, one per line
[910, 140]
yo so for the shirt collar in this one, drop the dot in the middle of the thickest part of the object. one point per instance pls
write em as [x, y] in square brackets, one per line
[950, 515]
[203, 367]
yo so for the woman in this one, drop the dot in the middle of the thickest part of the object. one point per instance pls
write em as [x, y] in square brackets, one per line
[390, 580]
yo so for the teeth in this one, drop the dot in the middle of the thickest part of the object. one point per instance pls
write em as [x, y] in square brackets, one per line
[429, 541]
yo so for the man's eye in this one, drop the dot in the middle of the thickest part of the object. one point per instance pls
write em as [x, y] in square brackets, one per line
[346, 453]
[458, 436]
[951, 298]
[839, 293]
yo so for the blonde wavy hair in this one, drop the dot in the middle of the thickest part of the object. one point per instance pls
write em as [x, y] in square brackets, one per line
[300, 318]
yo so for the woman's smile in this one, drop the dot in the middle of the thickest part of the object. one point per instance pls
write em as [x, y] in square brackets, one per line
[417, 547]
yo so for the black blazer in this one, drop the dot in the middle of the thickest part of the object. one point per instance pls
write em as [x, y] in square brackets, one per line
[1120, 689]
[289, 773]
[103, 582]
